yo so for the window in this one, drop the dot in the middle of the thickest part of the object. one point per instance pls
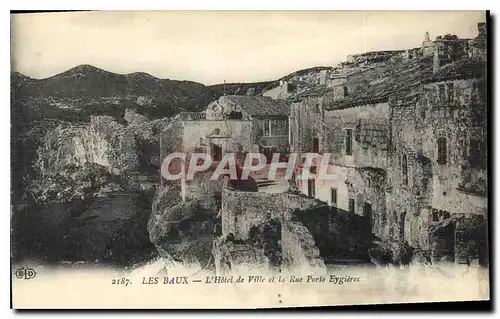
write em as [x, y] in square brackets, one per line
[266, 127]
[442, 150]
[348, 142]
[311, 188]
[351, 205]
[435, 215]
[477, 153]
[441, 92]
[451, 91]
[315, 145]
[404, 169]
[279, 127]
[333, 196]
[346, 91]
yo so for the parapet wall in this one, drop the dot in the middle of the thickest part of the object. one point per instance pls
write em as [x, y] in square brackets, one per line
[243, 210]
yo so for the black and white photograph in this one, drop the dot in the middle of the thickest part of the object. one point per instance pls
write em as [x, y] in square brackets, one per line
[249, 159]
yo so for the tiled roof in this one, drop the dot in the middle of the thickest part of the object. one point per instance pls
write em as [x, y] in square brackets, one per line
[379, 84]
[464, 69]
[258, 105]
[315, 91]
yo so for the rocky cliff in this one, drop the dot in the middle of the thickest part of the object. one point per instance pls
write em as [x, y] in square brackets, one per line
[89, 192]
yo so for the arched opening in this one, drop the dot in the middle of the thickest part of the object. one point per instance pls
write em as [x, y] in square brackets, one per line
[235, 115]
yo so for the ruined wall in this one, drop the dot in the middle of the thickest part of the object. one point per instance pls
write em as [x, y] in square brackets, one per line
[369, 125]
[243, 210]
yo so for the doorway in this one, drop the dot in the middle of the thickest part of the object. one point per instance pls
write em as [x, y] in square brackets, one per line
[216, 152]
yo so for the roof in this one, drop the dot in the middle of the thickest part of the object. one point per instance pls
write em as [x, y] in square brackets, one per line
[315, 91]
[377, 85]
[258, 105]
[463, 69]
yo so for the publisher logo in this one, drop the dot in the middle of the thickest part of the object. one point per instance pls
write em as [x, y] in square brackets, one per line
[25, 273]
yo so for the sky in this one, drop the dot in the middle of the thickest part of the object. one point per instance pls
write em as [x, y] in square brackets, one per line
[216, 46]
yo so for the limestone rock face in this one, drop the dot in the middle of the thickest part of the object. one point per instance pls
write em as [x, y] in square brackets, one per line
[84, 195]
[182, 231]
[103, 141]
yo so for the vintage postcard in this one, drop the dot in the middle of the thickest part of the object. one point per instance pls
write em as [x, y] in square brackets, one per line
[248, 159]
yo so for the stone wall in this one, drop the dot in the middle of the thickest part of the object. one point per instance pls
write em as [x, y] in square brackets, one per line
[369, 125]
[233, 134]
[243, 213]
[306, 123]
[243, 210]
[431, 191]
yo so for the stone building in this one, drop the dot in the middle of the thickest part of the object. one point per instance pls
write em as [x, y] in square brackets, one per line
[232, 124]
[408, 146]
[437, 174]
[449, 48]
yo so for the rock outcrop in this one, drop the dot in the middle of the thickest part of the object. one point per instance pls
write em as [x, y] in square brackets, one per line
[85, 198]
[183, 231]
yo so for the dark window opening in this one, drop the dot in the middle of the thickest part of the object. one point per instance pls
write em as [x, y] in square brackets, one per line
[442, 152]
[266, 127]
[348, 142]
[235, 115]
[451, 91]
[357, 138]
[311, 188]
[346, 91]
[351, 205]
[477, 153]
[333, 196]
[404, 168]
[216, 152]
[435, 215]
[315, 145]
[402, 227]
